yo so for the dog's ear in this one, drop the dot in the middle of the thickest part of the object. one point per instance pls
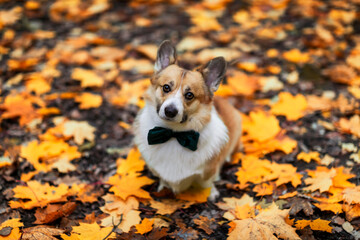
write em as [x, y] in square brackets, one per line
[213, 72]
[166, 55]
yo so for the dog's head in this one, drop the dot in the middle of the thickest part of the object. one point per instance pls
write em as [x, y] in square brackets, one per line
[184, 97]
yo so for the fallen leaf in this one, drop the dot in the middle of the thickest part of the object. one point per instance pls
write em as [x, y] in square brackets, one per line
[53, 212]
[204, 223]
[87, 78]
[10, 229]
[194, 194]
[295, 56]
[264, 226]
[145, 226]
[317, 224]
[80, 130]
[41, 232]
[88, 100]
[90, 231]
[292, 107]
[307, 157]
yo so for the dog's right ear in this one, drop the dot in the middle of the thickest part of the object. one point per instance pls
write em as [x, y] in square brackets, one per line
[166, 56]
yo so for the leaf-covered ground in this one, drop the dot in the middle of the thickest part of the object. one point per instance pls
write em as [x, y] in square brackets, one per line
[72, 74]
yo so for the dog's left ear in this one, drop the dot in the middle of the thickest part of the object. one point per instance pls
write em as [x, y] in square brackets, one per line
[166, 55]
[213, 72]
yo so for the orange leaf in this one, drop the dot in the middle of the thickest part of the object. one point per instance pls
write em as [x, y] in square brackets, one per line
[261, 126]
[292, 107]
[87, 78]
[13, 226]
[129, 185]
[39, 195]
[89, 231]
[307, 157]
[294, 55]
[132, 165]
[317, 224]
[88, 100]
[145, 226]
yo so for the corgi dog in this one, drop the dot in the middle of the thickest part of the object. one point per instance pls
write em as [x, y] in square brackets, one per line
[184, 132]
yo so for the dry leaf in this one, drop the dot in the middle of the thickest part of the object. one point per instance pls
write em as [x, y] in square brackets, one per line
[79, 131]
[145, 226]
[10, 229]
[264, 226]
[292, 107]
[89, 231]
[87, 78]
[317, 224]
[41, 232]
[88, 100]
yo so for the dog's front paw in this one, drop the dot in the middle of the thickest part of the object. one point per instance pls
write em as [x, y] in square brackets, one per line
[161, 186]
[213, 194]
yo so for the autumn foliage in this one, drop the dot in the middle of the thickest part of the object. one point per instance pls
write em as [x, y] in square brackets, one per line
[72, 77]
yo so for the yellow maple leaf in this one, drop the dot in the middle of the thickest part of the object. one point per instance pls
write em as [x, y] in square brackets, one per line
[145, 226]
[114, 204]
[260, 126]
[37, 83]
[321, 179]
[39, 195]
[264, 226]
[132, 165]
[355, 91]
[89, 231]
[129, 185]
[80, 130]
[87, 78]
[88, 100]
[307, 157]
[333, 207]
[8, 17]
[292, 107]
[14, 224]
[317, 224]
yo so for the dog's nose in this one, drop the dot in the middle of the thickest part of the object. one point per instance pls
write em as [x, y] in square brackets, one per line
[171, 111]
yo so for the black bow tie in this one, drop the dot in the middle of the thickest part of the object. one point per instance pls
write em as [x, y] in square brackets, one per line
[188, 139]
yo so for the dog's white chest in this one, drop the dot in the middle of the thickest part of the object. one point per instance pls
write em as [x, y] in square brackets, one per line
[173, 163]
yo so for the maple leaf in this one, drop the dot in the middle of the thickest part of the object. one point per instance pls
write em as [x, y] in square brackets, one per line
[205, 223]
[317, 224]
[37, 83]
[238, 208]
[333, 207]
[264, 226]
[351, 125]
[89, 231]
[321, 179]
[129, 219]
[88, 100]
[203, 19]
[80, 130]
[191, 43]
[264, 189]
[39, 195]
[132, 165]
[41, 232]
[298, 204]
[168, 206]
[292, 107]
[184, 232]
[145, 226]
[352, 195]
[129, 185]
[10, 229]
[119, 206]
[307, 157]
[130, 93]
[87, 78]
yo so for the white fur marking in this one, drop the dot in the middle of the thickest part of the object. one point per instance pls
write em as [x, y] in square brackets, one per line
[179, 167]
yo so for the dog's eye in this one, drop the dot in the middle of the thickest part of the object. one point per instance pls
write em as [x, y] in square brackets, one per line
[189, 95]
[166, 88]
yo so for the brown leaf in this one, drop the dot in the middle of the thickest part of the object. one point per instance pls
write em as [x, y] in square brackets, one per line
[53, 212]
[41, 232]
[158, 233]
[298, 204]
[204, 223]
